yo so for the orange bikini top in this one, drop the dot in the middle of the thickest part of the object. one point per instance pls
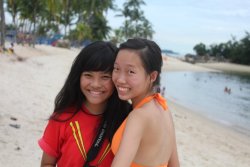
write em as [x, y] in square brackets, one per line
[118, 134]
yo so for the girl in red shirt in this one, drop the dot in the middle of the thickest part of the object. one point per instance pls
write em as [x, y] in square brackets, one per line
[87, 112]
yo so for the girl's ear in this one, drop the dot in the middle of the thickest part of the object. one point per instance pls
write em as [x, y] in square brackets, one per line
[153, 76]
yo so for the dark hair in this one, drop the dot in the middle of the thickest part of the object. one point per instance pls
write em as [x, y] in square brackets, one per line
[97, 56]
[150, 54]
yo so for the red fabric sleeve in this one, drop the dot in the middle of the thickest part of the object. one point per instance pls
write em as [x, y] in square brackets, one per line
[52, 140]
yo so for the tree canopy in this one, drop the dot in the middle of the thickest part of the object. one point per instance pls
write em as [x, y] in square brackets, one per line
[74, 20]
[135, 23]
[232, 50]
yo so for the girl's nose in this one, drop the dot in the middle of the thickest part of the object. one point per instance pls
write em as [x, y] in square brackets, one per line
[96, 82]
[120, 78]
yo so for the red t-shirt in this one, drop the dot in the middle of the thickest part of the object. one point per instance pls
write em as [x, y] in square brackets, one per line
[62, 140]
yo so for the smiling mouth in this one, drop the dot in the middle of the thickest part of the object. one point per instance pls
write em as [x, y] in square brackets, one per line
[122, 89]
[95, 93]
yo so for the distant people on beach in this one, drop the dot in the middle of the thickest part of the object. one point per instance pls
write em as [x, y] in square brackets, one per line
[24, 38]
[7, 50]
[11, 49]
[1, 49]
[157, 89]
[227, 90]
[163, 91]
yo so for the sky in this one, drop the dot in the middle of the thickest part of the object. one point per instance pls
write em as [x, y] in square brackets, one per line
[181, 24]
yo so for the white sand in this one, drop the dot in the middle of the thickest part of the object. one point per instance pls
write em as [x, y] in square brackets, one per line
[228, 67]
[203, 143]
[28, 89]
[173, 64]
[27, 92]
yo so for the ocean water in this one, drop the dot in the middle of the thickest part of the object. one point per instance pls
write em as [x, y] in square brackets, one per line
[204, 92]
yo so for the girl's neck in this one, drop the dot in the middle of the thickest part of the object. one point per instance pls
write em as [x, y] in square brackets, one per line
[95, 109]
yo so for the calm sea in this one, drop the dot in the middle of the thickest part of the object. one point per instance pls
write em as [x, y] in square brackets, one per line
[204, 92]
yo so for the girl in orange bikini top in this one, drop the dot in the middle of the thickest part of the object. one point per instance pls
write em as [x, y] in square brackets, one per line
[119, 133]
[136, 72]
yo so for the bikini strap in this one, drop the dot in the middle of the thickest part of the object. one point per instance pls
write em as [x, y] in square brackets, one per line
[157, 97]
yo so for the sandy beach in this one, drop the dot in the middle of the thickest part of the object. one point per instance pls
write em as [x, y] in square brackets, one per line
[227, 67]
[30, 80]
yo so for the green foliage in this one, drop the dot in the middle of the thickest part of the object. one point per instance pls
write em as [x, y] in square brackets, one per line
[99, 27]
[82, 31]
[135, 23]
[200, 49]
[46, 16]
[118, 36]
[47, 29]
[233, 50]
[78, 20]
[9, 27]
[13, 7]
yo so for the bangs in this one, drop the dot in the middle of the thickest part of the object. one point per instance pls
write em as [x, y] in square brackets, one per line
[103, 62]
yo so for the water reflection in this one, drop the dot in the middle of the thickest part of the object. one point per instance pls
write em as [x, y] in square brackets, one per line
[205, 92]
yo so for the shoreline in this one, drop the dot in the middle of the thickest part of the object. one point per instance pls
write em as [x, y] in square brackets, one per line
[171, 64]
[27, 93]
[194, 111]
[175, 64]
[210, 143]
[203, 112]
[227, 67]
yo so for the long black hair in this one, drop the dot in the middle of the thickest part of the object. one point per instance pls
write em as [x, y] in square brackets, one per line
[97, 56]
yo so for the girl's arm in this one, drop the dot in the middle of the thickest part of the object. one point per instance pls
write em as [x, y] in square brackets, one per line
[174, 160]
[48, 161]
[130, 141]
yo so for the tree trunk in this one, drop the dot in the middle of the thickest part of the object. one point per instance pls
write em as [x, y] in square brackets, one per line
[2, 28]
[34, 28]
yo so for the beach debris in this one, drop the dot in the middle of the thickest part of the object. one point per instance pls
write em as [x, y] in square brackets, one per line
[13, 118]
[19, 58]
[17, 148]
[2, 141]
[17, 126]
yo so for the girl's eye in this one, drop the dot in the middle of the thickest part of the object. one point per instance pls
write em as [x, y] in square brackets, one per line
[131, 72]
[106, 77]
[86, 74]
[116, 69]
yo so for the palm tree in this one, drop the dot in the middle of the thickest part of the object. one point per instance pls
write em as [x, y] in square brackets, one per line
[118, 36]
[2, 28]
[53, 8]
[66, 14]
[135, 23]
[35, 16]
[32, 13]
[147, 29]
[93, 15]
[13, 9]
[100, 29]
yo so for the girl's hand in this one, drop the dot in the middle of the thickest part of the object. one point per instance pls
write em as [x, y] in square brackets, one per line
[48, 161]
